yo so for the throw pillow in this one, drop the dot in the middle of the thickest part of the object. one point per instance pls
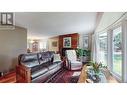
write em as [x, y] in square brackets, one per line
[56, 58]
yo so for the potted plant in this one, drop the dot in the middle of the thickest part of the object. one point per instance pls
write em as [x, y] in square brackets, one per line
[86, 55]
[83, 54]
[96, 66]
[79, 52]
[96, 69]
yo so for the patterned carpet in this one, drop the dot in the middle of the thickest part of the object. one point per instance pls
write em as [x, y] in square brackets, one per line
[65, 76]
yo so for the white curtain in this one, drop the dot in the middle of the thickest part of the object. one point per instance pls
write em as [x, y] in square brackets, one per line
[80, 45]
[95, 47]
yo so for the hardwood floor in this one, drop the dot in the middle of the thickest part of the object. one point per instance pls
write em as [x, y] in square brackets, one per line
[9, 78]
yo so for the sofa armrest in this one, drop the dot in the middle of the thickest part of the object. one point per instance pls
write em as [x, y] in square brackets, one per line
[23, 74]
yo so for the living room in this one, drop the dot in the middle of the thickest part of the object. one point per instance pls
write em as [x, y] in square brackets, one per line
[54, 47]
[63, 47]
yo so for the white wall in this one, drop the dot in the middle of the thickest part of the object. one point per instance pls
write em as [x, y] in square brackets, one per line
[12, 43]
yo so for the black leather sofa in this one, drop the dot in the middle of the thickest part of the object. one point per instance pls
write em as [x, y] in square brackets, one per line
[37, 67]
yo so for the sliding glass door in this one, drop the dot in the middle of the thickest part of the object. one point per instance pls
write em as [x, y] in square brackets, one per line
[117, 51]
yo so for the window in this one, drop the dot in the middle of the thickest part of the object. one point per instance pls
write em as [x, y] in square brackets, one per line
[117, 51]
[43, 45]
[103, 48]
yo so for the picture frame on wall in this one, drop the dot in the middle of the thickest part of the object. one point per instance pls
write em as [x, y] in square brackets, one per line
[67, 42]
[86, 41]
[54, 44]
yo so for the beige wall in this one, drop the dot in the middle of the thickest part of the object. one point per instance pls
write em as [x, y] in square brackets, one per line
[12, 43]
[50, 47]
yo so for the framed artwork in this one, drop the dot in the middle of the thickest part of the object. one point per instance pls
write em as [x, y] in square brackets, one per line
[67, 42]
[86, 42]
[54, 44]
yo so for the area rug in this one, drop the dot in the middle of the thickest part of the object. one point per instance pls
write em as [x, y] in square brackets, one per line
[66, 77]
[75, 77]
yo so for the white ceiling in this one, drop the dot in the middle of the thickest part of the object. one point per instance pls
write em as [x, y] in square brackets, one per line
[49, 24]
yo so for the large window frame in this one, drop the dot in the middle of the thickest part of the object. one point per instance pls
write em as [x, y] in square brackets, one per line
[118, 76]
[123, 25]
[109, 51]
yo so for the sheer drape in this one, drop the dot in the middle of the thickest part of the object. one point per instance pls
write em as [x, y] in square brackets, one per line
[95, 47]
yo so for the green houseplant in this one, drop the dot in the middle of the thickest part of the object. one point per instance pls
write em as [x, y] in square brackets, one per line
[96, 66]
[83, 54]
[79, 52]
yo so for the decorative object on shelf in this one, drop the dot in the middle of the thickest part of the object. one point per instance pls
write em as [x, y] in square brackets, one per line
[67, 42]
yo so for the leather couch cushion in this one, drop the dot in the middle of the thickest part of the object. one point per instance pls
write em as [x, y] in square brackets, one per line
[31, 64]
[52, 66]
[45, 55]
[48, 54]
[46, 64]
[44, 61]
[35, 68]
[29, 57]
[39, 72]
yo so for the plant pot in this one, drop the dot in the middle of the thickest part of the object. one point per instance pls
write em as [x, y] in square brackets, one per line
[85, 58]
[96, 78]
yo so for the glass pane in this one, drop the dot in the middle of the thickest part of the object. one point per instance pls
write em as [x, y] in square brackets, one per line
[117, 51]
[43, 44]
[103, 48]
